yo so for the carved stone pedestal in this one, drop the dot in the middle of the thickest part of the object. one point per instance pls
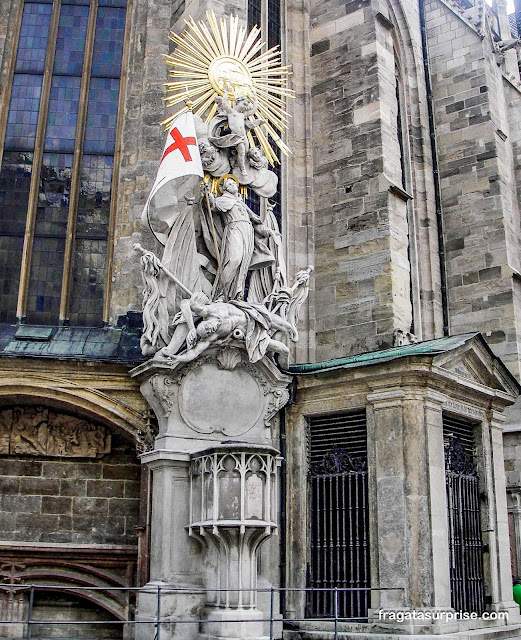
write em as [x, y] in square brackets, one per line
[215, 496]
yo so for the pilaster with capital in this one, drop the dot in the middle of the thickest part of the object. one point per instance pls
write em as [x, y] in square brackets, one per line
[389, 478]
[411, 509]
[439, 525]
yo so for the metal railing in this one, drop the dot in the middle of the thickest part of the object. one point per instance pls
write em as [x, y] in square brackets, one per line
[161, 590]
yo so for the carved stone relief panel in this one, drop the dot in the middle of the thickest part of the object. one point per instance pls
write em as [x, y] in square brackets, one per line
[38, 431]
[6, 418]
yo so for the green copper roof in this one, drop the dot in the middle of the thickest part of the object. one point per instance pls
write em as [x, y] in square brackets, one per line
[430, 347]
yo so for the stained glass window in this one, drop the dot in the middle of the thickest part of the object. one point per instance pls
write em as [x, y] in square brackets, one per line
[100, 132]
[108, 47]
[266, 14]
[254, 13]
[273, 23]
[34, 34]
[57, 176]
[43, 303]
[23, 112]
[63, 113]
[15, 180]
[70, 43]
[89, 266]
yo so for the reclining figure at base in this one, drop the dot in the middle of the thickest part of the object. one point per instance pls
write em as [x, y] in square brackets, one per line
[218, 323]
[202, 323]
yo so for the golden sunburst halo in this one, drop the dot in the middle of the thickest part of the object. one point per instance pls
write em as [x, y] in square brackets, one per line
[208, 57]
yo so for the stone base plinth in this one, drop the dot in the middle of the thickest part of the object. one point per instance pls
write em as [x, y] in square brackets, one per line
[174, 606]
[215, 435]
[233, 624]
[439, 620]
[318, 631]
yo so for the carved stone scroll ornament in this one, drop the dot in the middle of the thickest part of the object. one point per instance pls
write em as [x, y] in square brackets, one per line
[145, 438]
[38, 431]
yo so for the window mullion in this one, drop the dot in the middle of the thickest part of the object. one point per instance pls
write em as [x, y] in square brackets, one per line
[6, 98]
[21, 309]
[264, 22]
[117, 162]
[76, 165]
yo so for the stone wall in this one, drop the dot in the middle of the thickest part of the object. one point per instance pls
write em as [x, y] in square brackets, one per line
[61, 607]
[361, 235]
[480, 208]
[297, 202]
[85, 501]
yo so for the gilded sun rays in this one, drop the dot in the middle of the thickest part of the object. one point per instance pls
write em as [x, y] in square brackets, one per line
[208, 57]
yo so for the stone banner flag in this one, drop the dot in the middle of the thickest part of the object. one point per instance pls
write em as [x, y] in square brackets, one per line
[180, 158]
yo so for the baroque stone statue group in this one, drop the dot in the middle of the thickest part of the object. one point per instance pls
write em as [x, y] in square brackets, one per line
[221, 279]
[218, 311]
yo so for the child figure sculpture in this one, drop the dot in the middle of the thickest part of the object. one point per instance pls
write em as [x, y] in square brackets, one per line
[236, 119]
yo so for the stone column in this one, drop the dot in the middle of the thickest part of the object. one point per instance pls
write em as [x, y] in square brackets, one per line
[438, 500]
[411, 512]
[390, 522]
[296, 512]
[14, 605]
[514, 508]
[170, 514]
[175, 559]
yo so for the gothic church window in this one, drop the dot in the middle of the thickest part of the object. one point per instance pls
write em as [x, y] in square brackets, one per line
[401, 126]
[266, 14]
[57, 165]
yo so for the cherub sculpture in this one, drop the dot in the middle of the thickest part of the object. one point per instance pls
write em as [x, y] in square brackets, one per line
[236, 119]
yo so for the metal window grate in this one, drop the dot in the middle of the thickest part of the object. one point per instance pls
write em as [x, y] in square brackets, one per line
[461, 429]
[464, 515]
[339, 517]
[346, 431]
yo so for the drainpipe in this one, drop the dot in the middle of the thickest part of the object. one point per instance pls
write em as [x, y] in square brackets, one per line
[282, 514]
[283, 502]
[435, 170]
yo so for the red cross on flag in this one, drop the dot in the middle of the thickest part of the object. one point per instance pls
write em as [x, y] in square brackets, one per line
[181, 153]
[180, 158]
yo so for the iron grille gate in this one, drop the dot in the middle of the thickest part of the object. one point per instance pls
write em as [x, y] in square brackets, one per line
[339, 526]
[465, 537]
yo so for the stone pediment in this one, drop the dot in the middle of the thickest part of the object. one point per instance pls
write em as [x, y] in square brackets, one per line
[474, 362]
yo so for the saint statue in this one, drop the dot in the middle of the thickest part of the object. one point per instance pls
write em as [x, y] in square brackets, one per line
[216, 250]
[243, 245]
